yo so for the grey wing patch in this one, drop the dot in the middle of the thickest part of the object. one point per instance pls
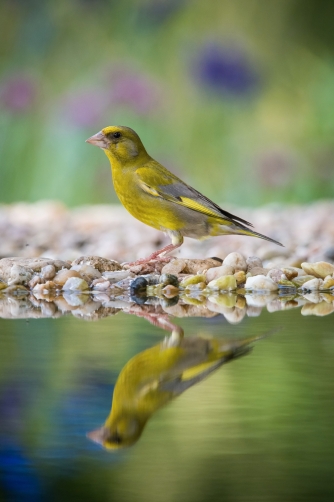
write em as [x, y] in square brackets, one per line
[178, 189]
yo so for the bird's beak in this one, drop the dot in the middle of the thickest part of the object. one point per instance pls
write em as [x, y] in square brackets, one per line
[98, 435]
[98, 139]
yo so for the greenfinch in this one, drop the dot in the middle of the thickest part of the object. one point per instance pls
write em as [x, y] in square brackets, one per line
[156, 376]
[155, 196]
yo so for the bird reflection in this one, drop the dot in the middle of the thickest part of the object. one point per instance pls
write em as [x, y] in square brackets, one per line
[159, 374]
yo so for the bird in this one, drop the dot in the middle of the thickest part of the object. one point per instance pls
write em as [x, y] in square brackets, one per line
[156, 376]
[158, 198]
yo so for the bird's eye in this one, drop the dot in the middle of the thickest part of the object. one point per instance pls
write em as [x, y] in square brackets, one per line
[116, 438]
[116, 134]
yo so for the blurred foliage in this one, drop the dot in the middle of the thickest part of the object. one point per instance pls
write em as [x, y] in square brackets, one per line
[235, 97]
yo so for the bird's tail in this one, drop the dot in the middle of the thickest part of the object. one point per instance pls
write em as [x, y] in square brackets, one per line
[246, 231]
[236, 228]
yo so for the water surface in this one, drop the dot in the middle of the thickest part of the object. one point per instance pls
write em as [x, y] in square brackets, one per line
[259, 428]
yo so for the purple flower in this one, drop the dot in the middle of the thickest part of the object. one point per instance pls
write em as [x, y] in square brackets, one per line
[85, 108]
[225, 70]
[135, 90]
[17, 93]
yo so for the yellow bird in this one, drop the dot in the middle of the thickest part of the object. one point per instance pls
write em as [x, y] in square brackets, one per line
[155, 196]
[158, 375]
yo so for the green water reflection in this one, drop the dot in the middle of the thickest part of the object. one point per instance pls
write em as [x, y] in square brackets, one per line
[257, 429]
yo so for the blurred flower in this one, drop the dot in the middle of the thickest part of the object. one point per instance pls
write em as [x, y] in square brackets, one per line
[85, 108]
[135, 90]
[17, 93]
[225, 69]
[276, 168]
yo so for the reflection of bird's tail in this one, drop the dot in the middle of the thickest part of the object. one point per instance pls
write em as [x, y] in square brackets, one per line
[241, 347]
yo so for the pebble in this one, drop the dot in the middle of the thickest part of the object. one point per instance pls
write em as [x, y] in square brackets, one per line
[215, 272]
[225, 283]
[102, 285]
[236, 261]
[117, 275]
[300, 280]
[227, 300]
[192, 280]
[313, 285]
[319, 309]
[19, 275]
[252, 262]
[63, 275]
[260, 283]
[48, 272]
[87, 272]
[101, 264]
[240, 277]
[319, 269]
[187, 266]
[328, 283]
[257, 271]
[75, 284]
[275, 274]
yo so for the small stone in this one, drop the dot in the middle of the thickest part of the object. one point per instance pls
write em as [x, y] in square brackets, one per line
[3, 285]
[75, 284]
[290, 273]
[87, 272]
[225, 283]
[260, 283]
[299, 281]
[241, 302]
[257, 271]
[117, 275]
[236, 260]
[285, 283]
[329, 298]
[170, 291]
[258, 300]
[319, 269]
[275, 274]
[19, 275]
[102, 285]
[240, 277]
[328, 283]
[252, 262]
[101, 264]
[46, 287]
[214, 273]
[313, 297]
[227, 300]
[313, 285]
[319, 309]
[187, 266]
[48, 272]
[169, 279]
[75, 300]
[235, 315]
[274, 305]
[254, 311]
[63, 275]
[191, 280]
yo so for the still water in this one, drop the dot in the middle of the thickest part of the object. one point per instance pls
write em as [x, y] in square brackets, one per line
[258, 428]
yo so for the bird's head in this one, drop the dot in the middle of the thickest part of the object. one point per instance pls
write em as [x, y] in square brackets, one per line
[125, 431]
[119, 143]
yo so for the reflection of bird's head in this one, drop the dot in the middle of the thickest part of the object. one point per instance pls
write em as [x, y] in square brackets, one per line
[118, 142]
[124, 432]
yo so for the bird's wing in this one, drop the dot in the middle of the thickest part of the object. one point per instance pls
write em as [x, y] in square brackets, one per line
[159, 182]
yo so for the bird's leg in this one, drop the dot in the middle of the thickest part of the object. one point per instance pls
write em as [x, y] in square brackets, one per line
[177, 241]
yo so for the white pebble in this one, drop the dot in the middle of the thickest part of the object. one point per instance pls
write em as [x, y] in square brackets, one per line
[260, 283]
[75, 284]
[313, 285]
[236, 260]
